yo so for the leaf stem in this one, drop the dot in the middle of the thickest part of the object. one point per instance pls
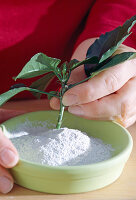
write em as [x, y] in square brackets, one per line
[73, 85]
[91, 60]
[61, 112]
[62, 107]
[58, 76]
[42, 92]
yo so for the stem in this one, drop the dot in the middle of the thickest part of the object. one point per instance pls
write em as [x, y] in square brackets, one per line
[73, 85]
[62, 107]
[92, 60]
[61, 112]
[57, 76]
[42, 92]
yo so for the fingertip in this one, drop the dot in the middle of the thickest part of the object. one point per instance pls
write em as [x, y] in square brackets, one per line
[54, 103]
[8, 154]
[6, 181]
[9, 158]
[6, 184]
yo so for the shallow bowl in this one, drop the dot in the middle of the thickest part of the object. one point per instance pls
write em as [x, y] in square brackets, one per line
[73, 179]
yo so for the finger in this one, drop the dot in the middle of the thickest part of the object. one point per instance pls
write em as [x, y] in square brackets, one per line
[6, 181]
[103, 84]
[127, 95]
[55, 103]
[104, 108]
[8, 154]
[120, 104]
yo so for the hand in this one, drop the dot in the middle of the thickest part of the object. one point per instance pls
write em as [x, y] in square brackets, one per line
[8, 158]
[111, 95]
[8, 154]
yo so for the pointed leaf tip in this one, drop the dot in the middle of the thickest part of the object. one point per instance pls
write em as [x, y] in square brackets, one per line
[39, 64]
[9, 94]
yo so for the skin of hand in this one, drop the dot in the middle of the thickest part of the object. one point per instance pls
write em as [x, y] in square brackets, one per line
[8, 154]
[110, 95]
[8, 158]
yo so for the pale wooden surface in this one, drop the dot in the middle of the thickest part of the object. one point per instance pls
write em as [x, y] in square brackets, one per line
[123, 189]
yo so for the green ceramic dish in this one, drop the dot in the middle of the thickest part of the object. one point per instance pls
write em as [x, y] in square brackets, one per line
[73, 179]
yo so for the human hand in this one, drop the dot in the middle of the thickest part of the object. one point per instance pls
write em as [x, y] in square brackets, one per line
[108, 96]
[8, 154]
[8, 158]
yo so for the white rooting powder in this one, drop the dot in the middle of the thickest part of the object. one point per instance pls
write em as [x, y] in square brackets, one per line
[58, 147]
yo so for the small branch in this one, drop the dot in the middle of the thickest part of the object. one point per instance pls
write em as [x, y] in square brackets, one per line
[62, 107]
[92, 60]
[61, 112]
[42, 92]
[57, 76]
[73, 85]
[77, 65]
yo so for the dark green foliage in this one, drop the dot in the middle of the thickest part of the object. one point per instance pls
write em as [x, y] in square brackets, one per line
[107, 44]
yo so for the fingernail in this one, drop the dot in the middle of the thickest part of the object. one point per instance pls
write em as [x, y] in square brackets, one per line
[8, 157]
[5, 184]
[69, 100]
[76, 110]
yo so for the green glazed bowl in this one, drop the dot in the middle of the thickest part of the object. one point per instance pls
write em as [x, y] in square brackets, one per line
[73, 179]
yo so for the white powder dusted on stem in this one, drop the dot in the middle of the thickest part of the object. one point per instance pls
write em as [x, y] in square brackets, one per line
[63, 147]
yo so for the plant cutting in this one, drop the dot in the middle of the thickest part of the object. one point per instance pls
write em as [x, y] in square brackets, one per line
[99, 57]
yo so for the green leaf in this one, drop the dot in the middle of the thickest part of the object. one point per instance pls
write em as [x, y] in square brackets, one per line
[117, 59]
[41, 84]
[108, 43]
[39, 64]
[64, 70]
[9, 94]
[52, 93]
